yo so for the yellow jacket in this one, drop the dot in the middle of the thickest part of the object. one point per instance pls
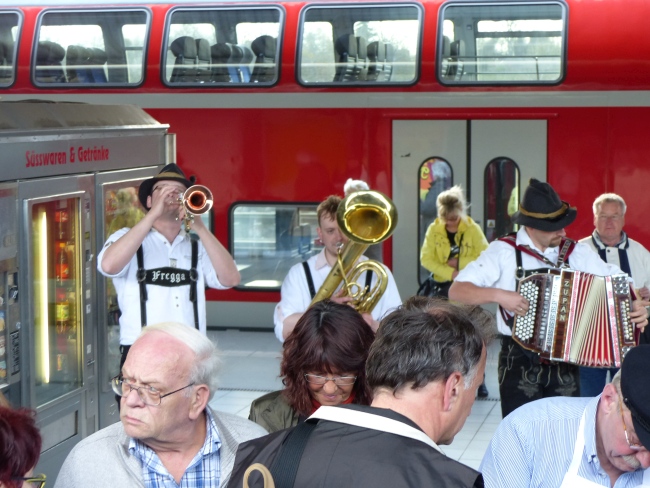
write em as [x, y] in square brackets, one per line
[436, 248]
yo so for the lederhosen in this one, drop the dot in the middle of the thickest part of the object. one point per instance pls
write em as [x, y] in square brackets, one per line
[165, 276]
[523, 377]
[310, 280]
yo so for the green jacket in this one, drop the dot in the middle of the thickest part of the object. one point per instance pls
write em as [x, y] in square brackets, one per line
[273, 412]
[436, 248]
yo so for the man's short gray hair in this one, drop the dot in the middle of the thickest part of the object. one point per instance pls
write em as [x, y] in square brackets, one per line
[206, 363]
[608, 198]
[428, 340]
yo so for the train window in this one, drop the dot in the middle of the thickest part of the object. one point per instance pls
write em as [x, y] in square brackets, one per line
[268, 239]
[501, 197]
[369, 44]
[208, 47]
[95, 48]
[435, 176]
[9, 28]
[502, 43]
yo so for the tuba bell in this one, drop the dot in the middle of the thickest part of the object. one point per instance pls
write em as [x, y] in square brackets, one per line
[365, 218]
[196, 200]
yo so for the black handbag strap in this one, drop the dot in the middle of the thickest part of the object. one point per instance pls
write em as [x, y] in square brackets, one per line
[285, 466]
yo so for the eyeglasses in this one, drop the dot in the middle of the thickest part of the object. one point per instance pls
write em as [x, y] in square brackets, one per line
[338, 380]
[615, 218]
[148, 394]
[633, 445]
[37, 481]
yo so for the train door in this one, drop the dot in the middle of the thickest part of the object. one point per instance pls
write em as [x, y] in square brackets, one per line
[117, 207]
[56, 271]
[490, 159]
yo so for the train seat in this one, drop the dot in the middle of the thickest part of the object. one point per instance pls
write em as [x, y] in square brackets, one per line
[361, 68]
[234, 61]
[98, 59]
[184, 49]
[346, 49]
[49, 56]
[264, 48]
[245, 63]
[455, 67]
[220, 54]
[77, 60]
[387, 72]
[376, 60]
[204, 61]
[5, 63]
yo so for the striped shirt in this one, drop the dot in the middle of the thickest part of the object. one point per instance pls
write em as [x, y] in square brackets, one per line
[204, 471]
[533, 446]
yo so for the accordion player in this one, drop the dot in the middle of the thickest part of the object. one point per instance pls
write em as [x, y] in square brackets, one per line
[576, 317]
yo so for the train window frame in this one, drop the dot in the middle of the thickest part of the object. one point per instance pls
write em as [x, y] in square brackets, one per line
[12, 66]
[313, 248]
[415, 63]
[124, 67]
[513, 199]
[165, 65]
[444, 44]
[423, 221]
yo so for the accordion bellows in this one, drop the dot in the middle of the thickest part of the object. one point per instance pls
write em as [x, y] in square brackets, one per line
[576, 317]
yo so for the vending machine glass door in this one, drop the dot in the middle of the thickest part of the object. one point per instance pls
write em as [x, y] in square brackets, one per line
[57, 298]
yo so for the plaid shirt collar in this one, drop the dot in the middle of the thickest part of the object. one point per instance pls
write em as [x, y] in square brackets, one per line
[203, 471]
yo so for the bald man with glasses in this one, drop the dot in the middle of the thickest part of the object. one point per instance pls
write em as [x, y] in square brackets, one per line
[168, 435]
[578, 442]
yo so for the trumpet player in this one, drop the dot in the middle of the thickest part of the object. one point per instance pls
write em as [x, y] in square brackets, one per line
[159, 271]
[304, 279]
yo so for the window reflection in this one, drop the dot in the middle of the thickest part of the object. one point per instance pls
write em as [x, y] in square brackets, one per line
[435, 177]
[501, 197]
[268, 240]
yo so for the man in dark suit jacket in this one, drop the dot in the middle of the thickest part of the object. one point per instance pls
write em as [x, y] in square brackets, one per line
[424, 367]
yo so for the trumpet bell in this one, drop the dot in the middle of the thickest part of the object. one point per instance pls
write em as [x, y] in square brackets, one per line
[197, 200]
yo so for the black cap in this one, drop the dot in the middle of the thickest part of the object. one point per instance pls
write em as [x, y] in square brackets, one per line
[542, 208]
[635, 387]
[170, 172]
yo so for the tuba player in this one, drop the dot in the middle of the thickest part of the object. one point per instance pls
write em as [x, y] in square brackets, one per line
[304, 279]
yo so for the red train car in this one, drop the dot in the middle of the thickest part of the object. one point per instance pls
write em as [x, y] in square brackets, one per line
[276, 103]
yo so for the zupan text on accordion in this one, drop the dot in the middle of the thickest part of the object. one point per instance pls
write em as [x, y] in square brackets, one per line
[576, 317]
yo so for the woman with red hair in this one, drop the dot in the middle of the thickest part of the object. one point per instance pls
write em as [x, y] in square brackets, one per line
[20, 448]
[323, 363]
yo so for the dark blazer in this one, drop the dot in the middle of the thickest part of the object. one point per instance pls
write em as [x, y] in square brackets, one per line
[340, 455]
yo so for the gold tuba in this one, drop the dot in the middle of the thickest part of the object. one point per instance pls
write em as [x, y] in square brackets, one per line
[364, 217]
[196, 200]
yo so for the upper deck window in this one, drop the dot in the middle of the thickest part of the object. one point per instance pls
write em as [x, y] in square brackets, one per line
[502, 43]
[208, 47]
[367, 44]
[9, 30]
[95, 48]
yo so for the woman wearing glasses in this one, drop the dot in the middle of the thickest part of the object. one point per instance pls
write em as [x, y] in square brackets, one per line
[20, 448]
[323, 363]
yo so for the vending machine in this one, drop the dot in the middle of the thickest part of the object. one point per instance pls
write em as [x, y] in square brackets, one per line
[69, 171]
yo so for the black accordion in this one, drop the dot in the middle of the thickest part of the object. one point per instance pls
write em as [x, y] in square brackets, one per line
[576, 317]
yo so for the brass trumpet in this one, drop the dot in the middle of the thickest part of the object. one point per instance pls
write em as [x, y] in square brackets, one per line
[364, 217]
[196, 200]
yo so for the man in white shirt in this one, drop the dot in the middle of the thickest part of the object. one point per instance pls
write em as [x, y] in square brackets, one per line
[168, 288]
[492, 278]
[614, 246]
[297, 290]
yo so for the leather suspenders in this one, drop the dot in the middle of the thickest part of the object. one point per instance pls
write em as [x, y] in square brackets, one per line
[168, 277]
[310, 280]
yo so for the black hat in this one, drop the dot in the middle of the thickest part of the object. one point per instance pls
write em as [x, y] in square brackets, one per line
[542, 208]
[170, 172]
[635, 388]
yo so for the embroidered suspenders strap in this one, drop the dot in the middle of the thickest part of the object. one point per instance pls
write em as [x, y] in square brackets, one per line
[310, 281]
[285, 466]
[141, 275]
[194, 277]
